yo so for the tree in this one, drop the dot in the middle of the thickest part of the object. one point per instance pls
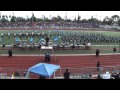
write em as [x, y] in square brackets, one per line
[118, 22]
[59, 18]
[54, 19]
[107, 21]
[115, 19]
[13, 19]
[78, 20]
[74, 20]
[93, 20]
[33, 18]
[110, 22]
[84, 21]
[4, 18]
[47, 20]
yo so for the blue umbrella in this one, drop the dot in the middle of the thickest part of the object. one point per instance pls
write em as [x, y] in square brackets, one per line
[44, 69]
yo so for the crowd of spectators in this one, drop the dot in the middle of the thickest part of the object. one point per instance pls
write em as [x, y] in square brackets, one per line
[108, 75]
[49, 24]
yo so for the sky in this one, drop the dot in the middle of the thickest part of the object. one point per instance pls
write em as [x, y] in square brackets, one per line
[70, 14]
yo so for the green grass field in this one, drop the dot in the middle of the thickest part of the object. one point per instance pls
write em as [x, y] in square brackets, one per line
[11, 39]
[56, 51]
[103, 49]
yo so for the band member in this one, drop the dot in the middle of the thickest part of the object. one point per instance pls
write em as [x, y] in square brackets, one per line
[47, 40]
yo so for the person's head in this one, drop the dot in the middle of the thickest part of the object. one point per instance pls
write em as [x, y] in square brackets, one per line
[98, 62]
[107, 73]
[90, 75]
[98, 75]
[66, 69]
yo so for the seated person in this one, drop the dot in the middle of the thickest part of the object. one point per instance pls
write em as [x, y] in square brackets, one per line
[48, 56]
[25, 73]
[106, 76]
[16, 73]
[99, 77]
[41, 77]
[45, 57]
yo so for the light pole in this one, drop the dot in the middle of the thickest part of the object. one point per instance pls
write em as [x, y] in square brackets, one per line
[119, 46]
[0, 16]
[32, 18]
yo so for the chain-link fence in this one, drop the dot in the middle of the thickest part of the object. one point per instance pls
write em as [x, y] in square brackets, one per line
[75, 73]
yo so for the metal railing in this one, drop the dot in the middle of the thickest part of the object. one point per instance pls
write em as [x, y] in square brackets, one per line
[75, 73]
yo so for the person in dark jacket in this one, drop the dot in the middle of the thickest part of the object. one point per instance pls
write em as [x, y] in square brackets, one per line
[42, 77]
[16, 73]
[114, 50]
[99, 77]
[47, 40]
[48, 56]
[98, 66]
[45, 57]
[97, 52]
[67, 74]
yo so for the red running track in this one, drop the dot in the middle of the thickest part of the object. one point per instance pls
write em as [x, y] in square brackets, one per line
[24, 62]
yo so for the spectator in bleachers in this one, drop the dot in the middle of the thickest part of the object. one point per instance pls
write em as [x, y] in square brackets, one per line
[16, 73]
[63, 25]
[99, 77]
[115, 75]
[106, 75]
[25, 72]
[90, 76]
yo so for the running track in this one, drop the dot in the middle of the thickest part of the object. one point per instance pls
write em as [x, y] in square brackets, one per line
[24, 62]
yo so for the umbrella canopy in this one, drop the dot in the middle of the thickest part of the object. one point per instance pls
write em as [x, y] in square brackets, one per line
[44, 69]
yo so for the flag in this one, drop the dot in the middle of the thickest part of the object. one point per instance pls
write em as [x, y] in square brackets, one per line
[0, 15]
[49, 32]
[55, 39]
[32, 18]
